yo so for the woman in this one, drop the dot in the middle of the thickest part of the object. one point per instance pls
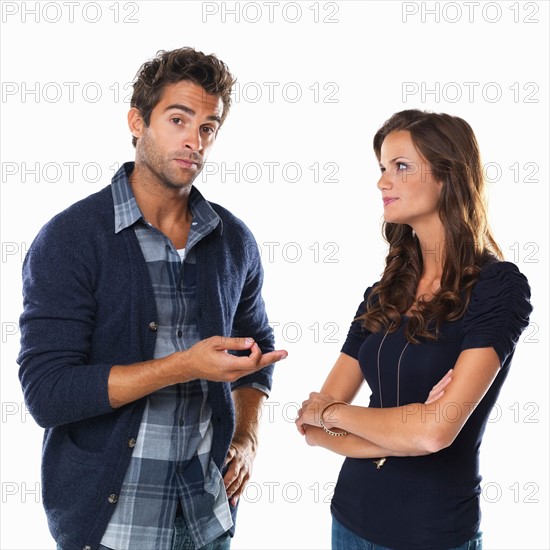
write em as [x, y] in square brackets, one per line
[433, 339]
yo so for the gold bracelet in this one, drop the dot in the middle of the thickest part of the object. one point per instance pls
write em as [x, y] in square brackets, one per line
[330, 432]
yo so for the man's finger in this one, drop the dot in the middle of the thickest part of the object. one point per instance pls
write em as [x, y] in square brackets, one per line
[273, 357]
[230, 455]
[233, 344]
[235, 490]
[232, 487]
[254, 362]
[230, 476]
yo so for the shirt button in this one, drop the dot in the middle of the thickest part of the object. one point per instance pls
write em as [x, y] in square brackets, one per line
[153, 326]
[181, 422]
[131, 443]
[180, 333]
[87, 548]
[112, 498]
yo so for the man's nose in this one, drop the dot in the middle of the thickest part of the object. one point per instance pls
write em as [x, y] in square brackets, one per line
[192, 139]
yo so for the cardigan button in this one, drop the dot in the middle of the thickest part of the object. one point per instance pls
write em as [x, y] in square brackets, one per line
[113, 498]
[131, 442]
[153, 326]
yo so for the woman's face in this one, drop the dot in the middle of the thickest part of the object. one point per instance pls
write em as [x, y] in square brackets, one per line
[409, 191]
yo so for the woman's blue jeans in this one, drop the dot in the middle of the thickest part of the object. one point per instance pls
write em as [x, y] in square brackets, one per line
[344, 539]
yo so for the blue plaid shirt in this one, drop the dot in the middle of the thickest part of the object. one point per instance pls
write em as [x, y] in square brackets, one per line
[171, 460]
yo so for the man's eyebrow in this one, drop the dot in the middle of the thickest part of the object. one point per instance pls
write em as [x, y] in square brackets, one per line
[189, 111]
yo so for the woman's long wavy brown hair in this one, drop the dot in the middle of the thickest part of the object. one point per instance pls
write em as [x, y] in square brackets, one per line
[450, 148]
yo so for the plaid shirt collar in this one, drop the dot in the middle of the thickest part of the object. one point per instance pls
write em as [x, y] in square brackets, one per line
[127, 211]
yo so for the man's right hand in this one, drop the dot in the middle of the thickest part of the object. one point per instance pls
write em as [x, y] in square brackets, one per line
[207, 359]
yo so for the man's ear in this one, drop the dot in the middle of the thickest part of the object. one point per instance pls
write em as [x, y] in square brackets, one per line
[135, 122]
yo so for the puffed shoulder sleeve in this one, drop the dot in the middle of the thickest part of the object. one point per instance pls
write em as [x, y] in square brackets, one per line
[498, 311]
[356, 333]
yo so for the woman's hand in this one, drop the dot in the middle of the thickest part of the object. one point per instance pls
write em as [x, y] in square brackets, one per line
[438, 389]
[310, 413]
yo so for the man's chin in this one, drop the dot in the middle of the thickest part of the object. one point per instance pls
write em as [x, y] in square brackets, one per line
[177, 186]
[179, 183]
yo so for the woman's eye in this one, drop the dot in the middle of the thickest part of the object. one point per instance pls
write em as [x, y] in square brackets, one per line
[401, 166]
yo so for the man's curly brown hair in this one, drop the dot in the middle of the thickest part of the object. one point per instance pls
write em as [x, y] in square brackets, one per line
[170, 67]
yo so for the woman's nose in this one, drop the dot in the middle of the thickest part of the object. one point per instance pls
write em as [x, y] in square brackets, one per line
[384, 182]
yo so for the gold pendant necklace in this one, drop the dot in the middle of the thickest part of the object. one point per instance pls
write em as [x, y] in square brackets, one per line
[381, 461]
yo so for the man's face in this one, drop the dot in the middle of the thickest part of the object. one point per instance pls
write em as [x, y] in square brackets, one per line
[181, 131]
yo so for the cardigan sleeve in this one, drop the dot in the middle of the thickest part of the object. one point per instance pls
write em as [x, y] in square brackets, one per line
[251, 317]
[59, 384]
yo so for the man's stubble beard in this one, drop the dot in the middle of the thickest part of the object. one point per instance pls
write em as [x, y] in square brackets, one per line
[150, 159]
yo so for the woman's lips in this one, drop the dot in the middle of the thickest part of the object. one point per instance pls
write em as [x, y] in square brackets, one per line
[388, 200]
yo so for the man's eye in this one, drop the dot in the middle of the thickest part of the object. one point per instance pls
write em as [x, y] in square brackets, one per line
[208, 130]
[176, 120]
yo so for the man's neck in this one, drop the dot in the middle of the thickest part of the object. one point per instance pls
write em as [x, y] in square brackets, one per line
[165, 208]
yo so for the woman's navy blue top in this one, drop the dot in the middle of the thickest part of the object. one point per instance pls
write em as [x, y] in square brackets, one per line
[430, 502]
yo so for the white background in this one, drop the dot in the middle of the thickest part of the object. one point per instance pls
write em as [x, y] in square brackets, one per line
[354, 64]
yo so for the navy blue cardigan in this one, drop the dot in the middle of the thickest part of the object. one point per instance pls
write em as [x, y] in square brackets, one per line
[88, 305]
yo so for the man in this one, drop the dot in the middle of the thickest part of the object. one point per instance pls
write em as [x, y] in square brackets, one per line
[132, 299]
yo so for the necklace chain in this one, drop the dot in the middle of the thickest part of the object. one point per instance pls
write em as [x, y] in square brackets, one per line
[398, 370]
[381, 461]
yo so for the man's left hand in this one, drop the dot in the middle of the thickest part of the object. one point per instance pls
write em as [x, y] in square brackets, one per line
[240, 458]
